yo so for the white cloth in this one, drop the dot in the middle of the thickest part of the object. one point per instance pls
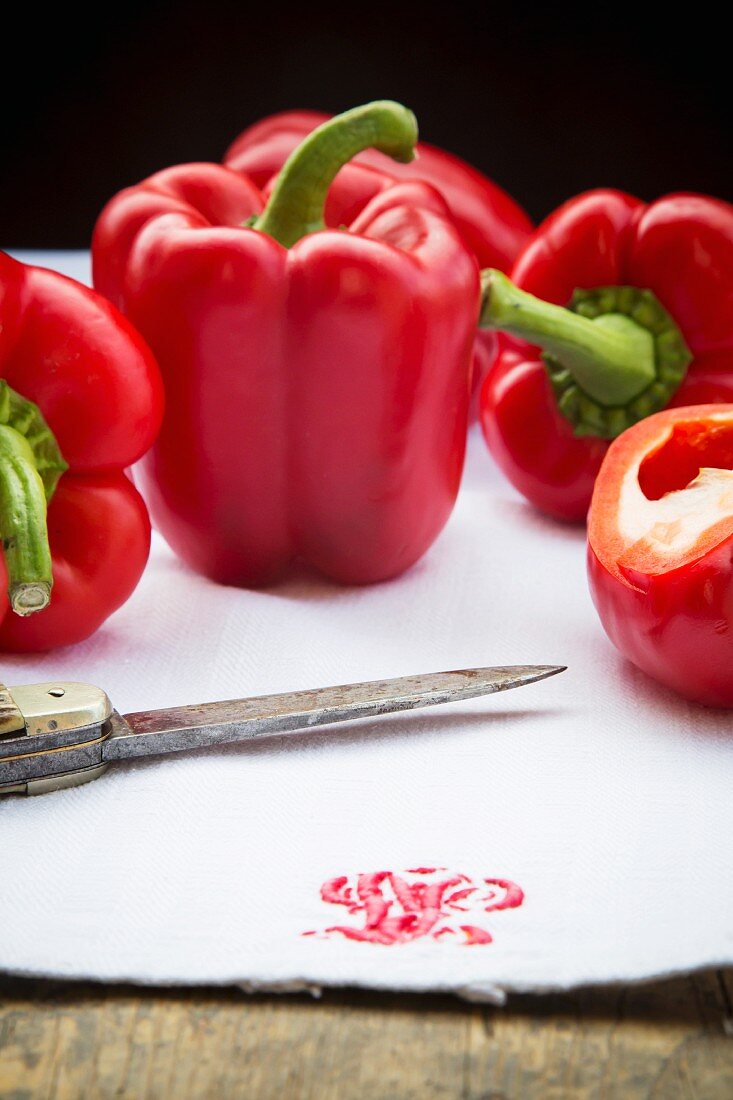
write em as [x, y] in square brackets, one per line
[605, 797]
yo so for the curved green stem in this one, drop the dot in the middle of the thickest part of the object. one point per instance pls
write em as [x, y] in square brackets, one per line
[614, 356]
[30, 466]
[295, 207]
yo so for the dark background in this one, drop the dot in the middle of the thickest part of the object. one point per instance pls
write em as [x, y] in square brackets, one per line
[547, 104]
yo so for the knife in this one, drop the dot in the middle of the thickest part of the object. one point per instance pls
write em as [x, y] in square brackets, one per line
[62, 734]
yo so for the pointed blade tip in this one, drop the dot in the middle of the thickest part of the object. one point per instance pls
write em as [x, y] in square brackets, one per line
[522, 674]
[542, 672]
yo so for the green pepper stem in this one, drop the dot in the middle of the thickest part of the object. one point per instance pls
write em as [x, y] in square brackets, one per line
[611, 357]
[30, 466]
[296, 205]
[23, 525]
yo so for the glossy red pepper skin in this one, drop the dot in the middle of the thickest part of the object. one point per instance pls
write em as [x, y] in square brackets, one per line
[681, 248]
[673, 619]
[490, 222]
[317, 396]
[68, 350]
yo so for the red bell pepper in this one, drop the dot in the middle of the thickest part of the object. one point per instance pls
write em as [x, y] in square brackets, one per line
[660, 549]
[649, 324]
[491, 223]
[317, 380]
[80, 400]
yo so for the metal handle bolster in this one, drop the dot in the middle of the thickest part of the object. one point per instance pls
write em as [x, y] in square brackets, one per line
[51, 736]
[11, 719]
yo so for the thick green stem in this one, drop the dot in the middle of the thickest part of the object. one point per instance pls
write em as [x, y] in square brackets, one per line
[614, 356]
[30, 466]
[296, 205]
[611, 358]
[23, 525]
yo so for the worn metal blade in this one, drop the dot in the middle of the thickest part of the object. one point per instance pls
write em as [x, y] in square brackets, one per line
[148, 733]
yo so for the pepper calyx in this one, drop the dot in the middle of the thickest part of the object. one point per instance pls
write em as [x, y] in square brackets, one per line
[590, 416]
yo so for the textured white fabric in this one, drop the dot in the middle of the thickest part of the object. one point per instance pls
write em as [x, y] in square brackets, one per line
[605, 797]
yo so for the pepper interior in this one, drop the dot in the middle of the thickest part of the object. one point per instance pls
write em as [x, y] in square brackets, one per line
[690, 449]
[679, 503]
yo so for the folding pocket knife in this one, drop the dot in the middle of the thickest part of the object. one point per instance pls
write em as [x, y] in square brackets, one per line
[62, 734]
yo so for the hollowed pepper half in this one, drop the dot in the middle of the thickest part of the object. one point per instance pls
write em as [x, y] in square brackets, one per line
[660, 549]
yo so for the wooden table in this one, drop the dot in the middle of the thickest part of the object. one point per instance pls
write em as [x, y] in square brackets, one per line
[669, 1040]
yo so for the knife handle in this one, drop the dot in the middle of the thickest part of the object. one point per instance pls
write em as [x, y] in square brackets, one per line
[51, 736]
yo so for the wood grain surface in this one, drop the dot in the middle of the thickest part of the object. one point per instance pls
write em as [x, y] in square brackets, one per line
[668, 1040]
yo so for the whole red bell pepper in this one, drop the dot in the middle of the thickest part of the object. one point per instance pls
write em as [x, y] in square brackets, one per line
[660, 549]
[80, 400]
[649, 324]
[317, 380]
[490, 222]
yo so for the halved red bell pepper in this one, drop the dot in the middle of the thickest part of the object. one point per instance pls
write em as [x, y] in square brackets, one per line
[649, 324]
[660, 549]
[81, 399]
[317, 380]
[490, 222]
